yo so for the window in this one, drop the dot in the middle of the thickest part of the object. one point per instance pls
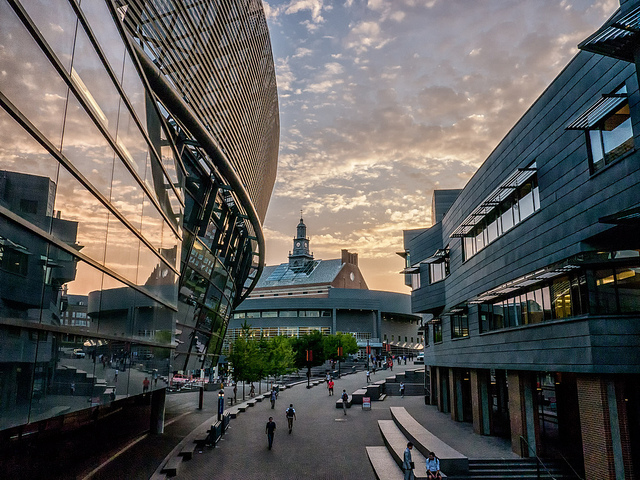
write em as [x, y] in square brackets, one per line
[437, 333]
[253, 314]
[288, 313]
[611, 138]
[607, 125]
[459, 326]
[415, 281]
[269, 314]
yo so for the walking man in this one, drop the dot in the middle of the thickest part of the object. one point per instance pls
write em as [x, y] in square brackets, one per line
[368, 376]
[270, 431]
[273, 397]
[345, 399]
[402, 389]
[330, 387]
[291, 416]
[407, 463]
[145, 385]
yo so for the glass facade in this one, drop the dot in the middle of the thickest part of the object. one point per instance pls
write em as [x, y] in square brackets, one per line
[124, 244]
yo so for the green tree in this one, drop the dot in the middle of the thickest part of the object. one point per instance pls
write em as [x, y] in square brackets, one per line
[312, 341]
[243, 354]
[347, 342]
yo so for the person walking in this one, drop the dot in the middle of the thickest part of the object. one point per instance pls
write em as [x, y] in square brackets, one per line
[270, 431]
[402, 389]
[433, 467]
[145, 385]
[235, 392]
[273, 397]
[368, 376]
[407, 463]
[330, 387]
[252, 392]
[345, 399]
[290, 413]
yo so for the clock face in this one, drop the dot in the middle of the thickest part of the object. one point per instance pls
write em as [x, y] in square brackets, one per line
[297, 244]
[306, 244]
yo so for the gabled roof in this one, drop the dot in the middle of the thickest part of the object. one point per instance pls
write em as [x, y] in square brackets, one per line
[318, 272]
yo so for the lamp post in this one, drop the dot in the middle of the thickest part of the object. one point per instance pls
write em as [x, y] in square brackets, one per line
[339, 357]
[220, 404]
[368, 353]
[309, 360]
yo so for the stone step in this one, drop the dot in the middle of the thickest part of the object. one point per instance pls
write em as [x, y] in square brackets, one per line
[384, 466]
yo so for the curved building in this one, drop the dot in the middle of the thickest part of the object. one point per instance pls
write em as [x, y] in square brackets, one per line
[138, 152]
[330, 296]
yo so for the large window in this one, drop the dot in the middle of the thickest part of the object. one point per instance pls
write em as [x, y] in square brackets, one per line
[438, 270]
[522, 203]
[459, 326]
[564, 297]
[612, 136]
[437, 332]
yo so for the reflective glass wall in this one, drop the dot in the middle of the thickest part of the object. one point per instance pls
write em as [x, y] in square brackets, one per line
[90, 217]
[123, 249]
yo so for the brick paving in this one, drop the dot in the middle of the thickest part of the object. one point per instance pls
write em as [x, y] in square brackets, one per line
[325, 444]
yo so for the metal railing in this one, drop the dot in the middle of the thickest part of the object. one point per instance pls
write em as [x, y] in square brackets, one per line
[539, 462]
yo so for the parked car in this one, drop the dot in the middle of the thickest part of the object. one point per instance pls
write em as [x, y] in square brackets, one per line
[419, 359]
[78, 353]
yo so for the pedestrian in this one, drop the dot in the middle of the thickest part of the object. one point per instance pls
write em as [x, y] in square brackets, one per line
[368, 376]
[115, 378]
[290, 413]
[407, 463]
[270, 431]
[252, 392]
[72, 388]
[402, 389]
[330, 387]
[235, 392]
[345, 400]
[145, 385]
[273, 397]
[328, 377]
[433, 467]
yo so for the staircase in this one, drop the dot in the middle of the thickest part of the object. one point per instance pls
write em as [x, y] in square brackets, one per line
[522, 468]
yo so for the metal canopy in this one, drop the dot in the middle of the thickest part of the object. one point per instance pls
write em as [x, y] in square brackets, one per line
[630, 216]
[497, 196]
[617, 38]
[599, 110]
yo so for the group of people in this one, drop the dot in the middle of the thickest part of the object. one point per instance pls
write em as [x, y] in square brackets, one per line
[433, 465]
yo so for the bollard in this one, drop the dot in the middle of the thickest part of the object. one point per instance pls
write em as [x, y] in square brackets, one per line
[201, 398]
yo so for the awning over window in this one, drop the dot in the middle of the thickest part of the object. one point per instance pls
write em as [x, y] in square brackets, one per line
[630, 216]
[506, 188]
[617, 38]
[599, 110]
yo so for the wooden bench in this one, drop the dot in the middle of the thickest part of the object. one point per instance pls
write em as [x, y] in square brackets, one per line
[451, 461]
[383, 464]
[187, 451]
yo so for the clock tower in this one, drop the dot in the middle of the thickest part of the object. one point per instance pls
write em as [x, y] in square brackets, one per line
[300, 256]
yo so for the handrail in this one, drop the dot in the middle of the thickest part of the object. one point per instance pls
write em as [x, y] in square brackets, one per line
[538, 461]
[571, 467]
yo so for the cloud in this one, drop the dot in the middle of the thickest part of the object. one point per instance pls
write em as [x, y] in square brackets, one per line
[366, 35]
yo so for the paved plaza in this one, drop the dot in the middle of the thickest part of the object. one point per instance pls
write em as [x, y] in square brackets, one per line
[324, 444]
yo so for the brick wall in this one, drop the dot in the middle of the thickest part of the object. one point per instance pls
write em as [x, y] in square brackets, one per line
[594, 423]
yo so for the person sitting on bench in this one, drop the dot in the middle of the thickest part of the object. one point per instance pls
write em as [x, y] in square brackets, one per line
[433, 467]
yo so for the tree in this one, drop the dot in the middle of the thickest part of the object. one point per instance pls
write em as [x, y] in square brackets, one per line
[243, 354]
[347, 342]
[311, 341]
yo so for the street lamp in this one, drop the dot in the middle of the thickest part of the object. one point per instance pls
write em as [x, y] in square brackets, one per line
[309, 360]
[339, 357]
[220, 404]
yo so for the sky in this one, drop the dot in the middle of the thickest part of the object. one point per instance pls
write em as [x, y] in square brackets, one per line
[383, 101]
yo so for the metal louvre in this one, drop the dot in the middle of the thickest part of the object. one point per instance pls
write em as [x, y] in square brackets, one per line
[599, 110]
[616, 38]
[501, 193]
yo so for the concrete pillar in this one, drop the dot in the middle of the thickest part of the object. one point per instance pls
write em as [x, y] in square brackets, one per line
[156, 424]
[523, 413]
[604, 442]
[334, 320]
[455, 392]
[443, 389]
[480, 401]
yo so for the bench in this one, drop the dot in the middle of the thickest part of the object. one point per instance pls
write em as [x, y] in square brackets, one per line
[383, 464]
[358, 395]
[233, 412]
[251, 403]
[187, 451]
[171, 466]
[339, 403]
[451, 461]
[396, 443]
